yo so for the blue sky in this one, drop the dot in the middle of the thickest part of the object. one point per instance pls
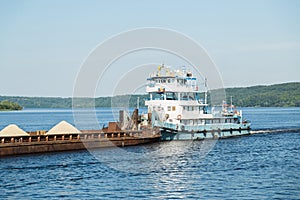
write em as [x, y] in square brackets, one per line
[44, 43]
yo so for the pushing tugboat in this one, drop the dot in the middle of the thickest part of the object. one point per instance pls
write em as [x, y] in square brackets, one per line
[179, 108]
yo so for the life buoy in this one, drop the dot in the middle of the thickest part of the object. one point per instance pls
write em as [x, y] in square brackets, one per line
[179, 117]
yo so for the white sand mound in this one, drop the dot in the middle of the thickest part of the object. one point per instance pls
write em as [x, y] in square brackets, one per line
[13, 130]
[63, 127]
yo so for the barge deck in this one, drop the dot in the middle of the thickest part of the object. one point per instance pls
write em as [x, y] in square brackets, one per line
[18, 145]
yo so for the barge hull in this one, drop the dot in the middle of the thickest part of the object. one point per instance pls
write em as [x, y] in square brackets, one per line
[19, 148]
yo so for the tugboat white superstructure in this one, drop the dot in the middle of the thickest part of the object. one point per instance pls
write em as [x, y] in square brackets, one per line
[178, 107]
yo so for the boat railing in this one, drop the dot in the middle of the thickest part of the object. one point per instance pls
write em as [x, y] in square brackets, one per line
[195, 128]
[86, 135]
[171, 126]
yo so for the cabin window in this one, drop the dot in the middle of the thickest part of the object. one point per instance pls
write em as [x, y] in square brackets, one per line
[169, 108]
[170, 96]
[188, 96]
[157, 96]
[176, 96]
[173, 108]
[180, 81]
[216, 121]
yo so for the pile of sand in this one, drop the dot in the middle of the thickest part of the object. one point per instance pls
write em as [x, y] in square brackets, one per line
[63, 127]
[13, 130]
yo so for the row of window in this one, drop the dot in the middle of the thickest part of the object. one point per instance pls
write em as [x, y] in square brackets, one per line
[169, 80]
[193, 108]
[169, 108]
[174, 96]
[206, 121]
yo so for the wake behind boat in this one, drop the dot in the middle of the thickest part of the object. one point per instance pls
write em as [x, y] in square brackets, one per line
[178, 107]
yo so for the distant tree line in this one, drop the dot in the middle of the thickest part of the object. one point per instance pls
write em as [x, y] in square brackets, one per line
[279, 95]
[8, 105]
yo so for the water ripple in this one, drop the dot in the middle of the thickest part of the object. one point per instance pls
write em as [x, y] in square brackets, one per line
[259, 166]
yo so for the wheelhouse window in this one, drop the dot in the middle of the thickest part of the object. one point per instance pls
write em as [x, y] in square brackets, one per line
[171, 96]
[157, 96]
[188, 96]
[181, 81]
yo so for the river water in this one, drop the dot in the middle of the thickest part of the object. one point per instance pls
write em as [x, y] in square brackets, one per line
[260, 166]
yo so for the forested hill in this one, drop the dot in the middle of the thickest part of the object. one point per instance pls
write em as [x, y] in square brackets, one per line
[279, 95]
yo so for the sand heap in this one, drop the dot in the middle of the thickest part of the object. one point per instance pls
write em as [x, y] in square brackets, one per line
[63, 127]
[13, 130]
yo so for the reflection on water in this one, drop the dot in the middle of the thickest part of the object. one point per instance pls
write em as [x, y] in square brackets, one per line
[261, 166]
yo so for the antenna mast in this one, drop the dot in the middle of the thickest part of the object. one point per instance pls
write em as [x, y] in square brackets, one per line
[205, 92]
